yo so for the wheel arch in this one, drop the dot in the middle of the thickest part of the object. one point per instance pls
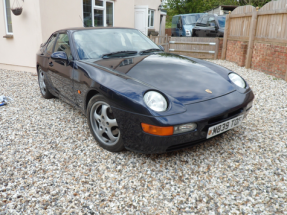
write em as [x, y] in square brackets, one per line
[90, 95]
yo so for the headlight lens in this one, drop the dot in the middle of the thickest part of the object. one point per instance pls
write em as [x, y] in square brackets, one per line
[155, 101]
[237, 80]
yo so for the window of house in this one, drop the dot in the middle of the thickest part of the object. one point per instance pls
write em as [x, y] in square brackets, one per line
[150, 18]
[98, 13]
[8, 20]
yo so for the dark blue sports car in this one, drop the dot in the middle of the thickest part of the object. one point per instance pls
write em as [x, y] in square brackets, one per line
[135, 95]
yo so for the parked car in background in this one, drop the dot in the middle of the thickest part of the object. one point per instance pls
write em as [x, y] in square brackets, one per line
[209, 25]
[183, 24]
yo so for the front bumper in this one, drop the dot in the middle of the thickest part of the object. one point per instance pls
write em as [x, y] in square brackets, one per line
[205, 114]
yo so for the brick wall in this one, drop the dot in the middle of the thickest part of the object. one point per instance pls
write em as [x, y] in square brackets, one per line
[269, 58]
[236, 52]
[168, 31]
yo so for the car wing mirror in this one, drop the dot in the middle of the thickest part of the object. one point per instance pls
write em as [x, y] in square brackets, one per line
[161, 47]
[59, 56]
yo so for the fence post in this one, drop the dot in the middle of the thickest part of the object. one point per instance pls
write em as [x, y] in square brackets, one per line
[150, 36]
[168, 46]
[216, 48]
[226, 33]
[252, 33]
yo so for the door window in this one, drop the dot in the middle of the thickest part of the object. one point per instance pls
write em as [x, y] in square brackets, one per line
[204, 21]
[63, 45]
[51, 44]
[211, 21]
[150, 18]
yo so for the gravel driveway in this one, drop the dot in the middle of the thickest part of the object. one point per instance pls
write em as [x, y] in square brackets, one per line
[50, 163]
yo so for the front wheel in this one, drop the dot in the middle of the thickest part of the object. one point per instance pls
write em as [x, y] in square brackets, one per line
[103, 124]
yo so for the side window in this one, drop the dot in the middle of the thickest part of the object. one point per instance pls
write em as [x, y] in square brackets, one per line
[211, 21]
[199, 22]
[51, 43]
[63, 45]
[204, 21]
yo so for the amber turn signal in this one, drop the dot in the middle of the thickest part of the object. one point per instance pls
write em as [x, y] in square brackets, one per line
[156, 130]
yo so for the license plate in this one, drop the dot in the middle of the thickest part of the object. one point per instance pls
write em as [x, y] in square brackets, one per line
[224, 126]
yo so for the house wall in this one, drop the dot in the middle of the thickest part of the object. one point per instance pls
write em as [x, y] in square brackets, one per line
[124, 14]
[27, 37]
[152, 4]
[59, 14]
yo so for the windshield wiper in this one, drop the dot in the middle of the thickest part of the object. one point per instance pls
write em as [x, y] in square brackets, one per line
[119, 52]
[149, 50]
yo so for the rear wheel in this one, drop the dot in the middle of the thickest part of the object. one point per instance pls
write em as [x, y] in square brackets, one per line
[103, 124]
[42, 84]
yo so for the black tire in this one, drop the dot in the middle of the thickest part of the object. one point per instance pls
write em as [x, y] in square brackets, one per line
[42, 84]
[99, 126]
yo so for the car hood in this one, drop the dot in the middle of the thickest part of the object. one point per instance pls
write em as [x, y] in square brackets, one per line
[182, 78]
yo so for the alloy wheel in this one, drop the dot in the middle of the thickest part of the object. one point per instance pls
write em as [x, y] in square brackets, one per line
[104, 124]
[42, 82]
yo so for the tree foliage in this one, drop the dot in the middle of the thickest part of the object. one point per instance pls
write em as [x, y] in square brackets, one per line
[174, 7]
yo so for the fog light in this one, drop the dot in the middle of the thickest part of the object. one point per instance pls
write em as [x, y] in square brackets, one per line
[184, 128]
[249, 105]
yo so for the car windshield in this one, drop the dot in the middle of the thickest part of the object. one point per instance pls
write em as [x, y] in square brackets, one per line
[221, 21]
[93, 44]
[190, 19]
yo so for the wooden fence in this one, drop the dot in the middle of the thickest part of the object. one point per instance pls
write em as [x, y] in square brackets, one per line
[246, 23]
[198, 47]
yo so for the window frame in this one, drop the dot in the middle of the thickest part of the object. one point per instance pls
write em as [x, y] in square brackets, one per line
[149, 16]
[6, 21]
[104, 9]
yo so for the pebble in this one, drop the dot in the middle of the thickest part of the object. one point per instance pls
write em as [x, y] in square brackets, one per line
[50, 163]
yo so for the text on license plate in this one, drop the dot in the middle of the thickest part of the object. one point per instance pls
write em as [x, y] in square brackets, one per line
[224, 126]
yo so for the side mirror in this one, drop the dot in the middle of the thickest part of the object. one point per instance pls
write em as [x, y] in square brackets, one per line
[62, 56]
[161, 47]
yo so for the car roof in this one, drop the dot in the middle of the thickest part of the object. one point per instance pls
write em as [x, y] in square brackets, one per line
[188, 14]
[89, 28]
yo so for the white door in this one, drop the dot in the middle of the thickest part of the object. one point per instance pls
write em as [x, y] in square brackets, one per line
[141, 18]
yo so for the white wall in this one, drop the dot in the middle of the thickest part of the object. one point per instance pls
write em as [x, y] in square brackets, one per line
[27, 37]
[59, 14]
[124, 13]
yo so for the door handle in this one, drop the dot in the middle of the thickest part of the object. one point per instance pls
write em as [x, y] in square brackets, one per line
[51, 64]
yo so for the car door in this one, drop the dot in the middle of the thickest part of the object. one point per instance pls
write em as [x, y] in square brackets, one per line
[196, 29]
[45, 63]
[211, 30]
[203, 29]
[179, 30]
[62, 70]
